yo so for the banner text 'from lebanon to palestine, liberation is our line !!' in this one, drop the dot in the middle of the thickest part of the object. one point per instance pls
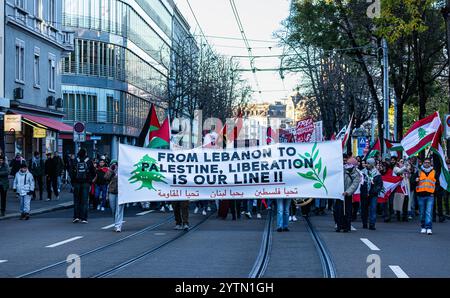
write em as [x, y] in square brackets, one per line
[303, 170]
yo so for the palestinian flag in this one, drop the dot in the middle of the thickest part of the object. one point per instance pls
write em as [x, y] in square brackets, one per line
[161, 138]
[390, 183]
[393, 146]
[444, 178]
[151, 124]
[421, 134]
[376, 149]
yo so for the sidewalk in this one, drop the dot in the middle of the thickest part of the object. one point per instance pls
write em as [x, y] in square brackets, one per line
[37, 207]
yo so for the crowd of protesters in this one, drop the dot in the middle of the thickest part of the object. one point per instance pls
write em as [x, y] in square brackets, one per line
[418, 192]
[94, 183]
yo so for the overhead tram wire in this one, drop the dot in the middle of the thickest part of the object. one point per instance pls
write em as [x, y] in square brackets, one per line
[246, 42]
[198, 24]
[238, 38]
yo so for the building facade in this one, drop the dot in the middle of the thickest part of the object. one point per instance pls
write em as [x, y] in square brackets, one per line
[120, 65]
[34, 44]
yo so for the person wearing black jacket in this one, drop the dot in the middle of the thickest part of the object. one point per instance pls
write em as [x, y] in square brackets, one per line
[16, 163]
[371, 188]
[51, 174]
[82, 174]
[37, 168]
[59, 165]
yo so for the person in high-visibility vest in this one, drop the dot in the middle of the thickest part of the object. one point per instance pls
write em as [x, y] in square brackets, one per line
[425, 189]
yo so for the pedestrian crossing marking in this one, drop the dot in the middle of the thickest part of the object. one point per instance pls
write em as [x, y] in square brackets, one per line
[369, 244]
[110, 226]
[64, 242]
[398, 271]
[145, 212]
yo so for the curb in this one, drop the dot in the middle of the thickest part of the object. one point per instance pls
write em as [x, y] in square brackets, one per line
[61, 206]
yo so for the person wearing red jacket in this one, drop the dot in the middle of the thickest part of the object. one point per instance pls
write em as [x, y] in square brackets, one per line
[101, 184]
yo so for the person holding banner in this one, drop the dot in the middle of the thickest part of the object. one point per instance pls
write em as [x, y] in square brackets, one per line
[181, 212]
[343, 209]
[117, 210]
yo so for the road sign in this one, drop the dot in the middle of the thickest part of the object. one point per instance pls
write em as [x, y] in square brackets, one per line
[447, 126]
[79, 132]
[96, 138]
[362, 143]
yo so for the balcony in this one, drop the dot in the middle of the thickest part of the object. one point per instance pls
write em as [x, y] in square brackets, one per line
[40, 27]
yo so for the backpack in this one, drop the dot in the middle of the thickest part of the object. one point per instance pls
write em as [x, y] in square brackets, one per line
[81, 170]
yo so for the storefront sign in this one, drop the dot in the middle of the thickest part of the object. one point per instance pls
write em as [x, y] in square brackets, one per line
[13, 123]
[39, 133]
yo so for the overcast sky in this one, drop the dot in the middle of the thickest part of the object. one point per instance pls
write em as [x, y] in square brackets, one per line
[260, 19]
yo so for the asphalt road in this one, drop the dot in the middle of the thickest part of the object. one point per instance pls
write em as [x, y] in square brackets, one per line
[216, 248]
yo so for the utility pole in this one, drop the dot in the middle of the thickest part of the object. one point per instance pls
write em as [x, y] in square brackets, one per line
[396, 138]
[386, 90]
[445, 13]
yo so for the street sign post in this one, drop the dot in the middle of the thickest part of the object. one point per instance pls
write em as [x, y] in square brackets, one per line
[79, 132]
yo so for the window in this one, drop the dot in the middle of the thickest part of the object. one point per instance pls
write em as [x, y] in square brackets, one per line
[51, 72]
[20, 63]
[38, 9]
[21, 3]
[37, 79]
[52, 12]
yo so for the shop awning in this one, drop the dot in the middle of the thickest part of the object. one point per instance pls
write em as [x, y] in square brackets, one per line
[50, 123]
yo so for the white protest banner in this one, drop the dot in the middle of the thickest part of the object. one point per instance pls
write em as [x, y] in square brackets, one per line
[305, 170]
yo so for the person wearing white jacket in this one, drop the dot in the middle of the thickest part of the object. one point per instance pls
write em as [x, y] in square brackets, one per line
[24, 187]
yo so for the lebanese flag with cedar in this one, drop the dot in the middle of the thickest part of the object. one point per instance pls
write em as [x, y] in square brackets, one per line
[421, 134]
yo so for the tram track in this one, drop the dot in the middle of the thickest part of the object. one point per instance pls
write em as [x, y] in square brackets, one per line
[149, 252]
[262, 260]
[328, 267]
[99, 249]
[263, 257]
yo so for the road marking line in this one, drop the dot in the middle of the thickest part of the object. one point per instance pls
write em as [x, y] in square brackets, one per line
[369, 244]
[160, 234]
[145, 212]
[64, 242]
[110, 226]
[3, 261]
[398, 271]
